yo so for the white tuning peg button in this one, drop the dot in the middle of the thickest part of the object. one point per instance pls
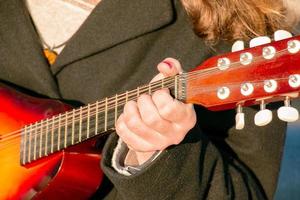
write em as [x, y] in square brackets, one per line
[238, 46]
[239, 118]
[263, 117]
[259, 41]
[239, 121]
[281, 35]
[288, 114]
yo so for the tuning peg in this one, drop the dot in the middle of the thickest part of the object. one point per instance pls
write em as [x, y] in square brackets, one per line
[287, 113]
[281, 35]
[293, 46]
[238, 46]
[294, 80]
[264, 116]
[239, 118]
[268, 52]
[259, 41]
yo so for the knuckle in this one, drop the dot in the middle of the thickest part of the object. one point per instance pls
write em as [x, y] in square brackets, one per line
[129, 106]
[162, 96]
[191, 119]
[156, 95]
[151, 120]
[168, 110]
[119, 129]
[143, 97]
[132, 123]
[120, 126]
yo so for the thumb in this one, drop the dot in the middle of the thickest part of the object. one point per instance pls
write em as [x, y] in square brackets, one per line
[168, 67]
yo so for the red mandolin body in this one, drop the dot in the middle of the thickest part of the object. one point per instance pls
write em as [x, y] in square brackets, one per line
[73, 173]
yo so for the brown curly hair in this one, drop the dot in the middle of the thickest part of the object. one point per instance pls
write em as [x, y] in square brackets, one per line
[216, 20]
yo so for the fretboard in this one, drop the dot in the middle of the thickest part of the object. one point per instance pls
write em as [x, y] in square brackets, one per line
[54, 134]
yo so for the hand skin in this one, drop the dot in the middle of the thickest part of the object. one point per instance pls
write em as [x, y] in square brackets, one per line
[152, 123]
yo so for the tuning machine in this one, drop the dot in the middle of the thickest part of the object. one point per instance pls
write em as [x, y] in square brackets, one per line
[261, 40]
[239, 118]
[264, 116]
[288, 113]
[281, 35]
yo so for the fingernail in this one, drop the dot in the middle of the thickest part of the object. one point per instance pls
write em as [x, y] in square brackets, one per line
[168, 63]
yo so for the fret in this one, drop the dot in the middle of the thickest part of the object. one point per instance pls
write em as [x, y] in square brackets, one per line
[59, 132]
[29, 146]
[105, 115]
[138, 92]
[52, 135]
[88, 122]
[96, 118]
[73, 125]
[149, 89]
[80, 123]
[126, 98]
[131, 96]
[41, 139]
[116, 108]
[24, 146]
[66, 130]
[35, 139]
[162, 83]
[46, 140]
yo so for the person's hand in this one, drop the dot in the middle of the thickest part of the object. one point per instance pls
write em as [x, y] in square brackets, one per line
[155, 122]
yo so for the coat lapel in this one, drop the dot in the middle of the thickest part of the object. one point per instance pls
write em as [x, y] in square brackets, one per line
[24, 50]
[113, 22]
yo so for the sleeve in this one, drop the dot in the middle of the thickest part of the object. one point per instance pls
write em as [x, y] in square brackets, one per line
[119, 156]
[211, 163]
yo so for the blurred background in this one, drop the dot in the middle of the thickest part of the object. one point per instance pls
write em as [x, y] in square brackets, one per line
[289, 178]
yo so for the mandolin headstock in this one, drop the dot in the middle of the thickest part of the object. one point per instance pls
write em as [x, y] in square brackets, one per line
[257, 75]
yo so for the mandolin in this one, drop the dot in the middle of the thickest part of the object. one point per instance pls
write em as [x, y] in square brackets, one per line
[47, 148]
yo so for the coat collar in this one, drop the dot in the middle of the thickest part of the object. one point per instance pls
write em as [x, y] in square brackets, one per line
[113, 22]
[23, 45]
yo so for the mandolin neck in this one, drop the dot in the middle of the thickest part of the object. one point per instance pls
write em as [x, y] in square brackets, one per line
[53, 134]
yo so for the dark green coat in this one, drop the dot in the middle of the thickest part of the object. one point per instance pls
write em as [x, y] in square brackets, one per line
[117, 49]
